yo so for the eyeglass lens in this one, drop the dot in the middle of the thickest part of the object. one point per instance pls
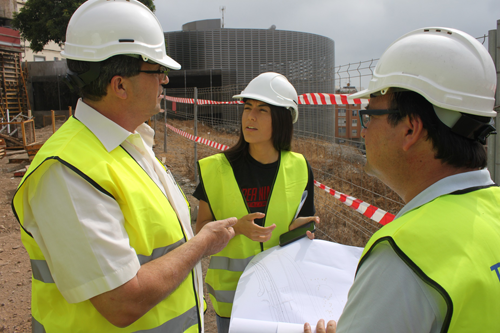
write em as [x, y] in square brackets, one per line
[365, 120]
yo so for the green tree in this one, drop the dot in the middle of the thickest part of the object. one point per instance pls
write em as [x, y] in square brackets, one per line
[41, 21]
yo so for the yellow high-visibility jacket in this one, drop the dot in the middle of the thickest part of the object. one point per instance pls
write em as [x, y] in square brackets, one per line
[151, 224]
[226, 200]
[452, 244]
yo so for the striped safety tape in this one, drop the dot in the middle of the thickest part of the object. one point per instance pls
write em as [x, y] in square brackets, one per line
[372, 212]
[199, 139]
[199, 102]
[329, 99]
[304, 99]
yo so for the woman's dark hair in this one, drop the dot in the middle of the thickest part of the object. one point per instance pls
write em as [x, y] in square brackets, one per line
[282, 127]
[450, 148]
[117, 65]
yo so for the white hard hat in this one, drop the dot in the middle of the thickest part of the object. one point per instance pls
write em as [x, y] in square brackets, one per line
[100, 29]
[448, 67]
[274, 89]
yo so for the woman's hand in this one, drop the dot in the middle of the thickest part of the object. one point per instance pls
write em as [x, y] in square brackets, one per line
[246, 226]
[303, 220]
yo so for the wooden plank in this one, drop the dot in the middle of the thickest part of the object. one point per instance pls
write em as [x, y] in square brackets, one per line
[33, 149]
[53, 121]
[15, 152]
[24, 135]
[11, 140]
[21, 172]
[19, 160]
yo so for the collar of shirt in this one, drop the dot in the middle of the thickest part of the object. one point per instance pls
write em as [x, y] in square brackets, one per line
[448, 185]
[107, 131]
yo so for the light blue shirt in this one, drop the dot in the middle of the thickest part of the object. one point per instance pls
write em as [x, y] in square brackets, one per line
[387, 296]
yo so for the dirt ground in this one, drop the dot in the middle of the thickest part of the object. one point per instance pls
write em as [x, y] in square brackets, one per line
[15, 270]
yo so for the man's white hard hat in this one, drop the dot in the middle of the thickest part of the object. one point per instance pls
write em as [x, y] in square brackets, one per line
[100, 29]
[274, 89]
[448, 67]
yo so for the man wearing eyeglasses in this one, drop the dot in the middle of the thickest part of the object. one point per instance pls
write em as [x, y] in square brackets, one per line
[107, 229]
[436, 267]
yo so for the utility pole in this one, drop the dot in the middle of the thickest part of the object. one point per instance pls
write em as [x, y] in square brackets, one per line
[222, 9]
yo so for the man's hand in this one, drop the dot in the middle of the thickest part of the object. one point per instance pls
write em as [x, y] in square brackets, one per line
[320, 328]
[246, 226]
[303, 220]
[217, 234]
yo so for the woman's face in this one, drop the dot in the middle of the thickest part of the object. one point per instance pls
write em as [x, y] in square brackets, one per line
[256, 122]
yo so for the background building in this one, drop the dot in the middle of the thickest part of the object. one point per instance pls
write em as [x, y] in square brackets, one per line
[348, 125]
[222, 56]
[13, 96]
[212, 56]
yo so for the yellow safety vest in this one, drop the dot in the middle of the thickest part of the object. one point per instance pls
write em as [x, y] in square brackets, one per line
[453, 244]
[117, 175]
[226, 200]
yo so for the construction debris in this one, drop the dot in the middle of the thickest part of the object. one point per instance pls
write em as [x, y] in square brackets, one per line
[2, 148]
[21, 172]
[11, 141]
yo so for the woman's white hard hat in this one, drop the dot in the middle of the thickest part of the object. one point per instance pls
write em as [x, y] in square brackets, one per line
[274, 89]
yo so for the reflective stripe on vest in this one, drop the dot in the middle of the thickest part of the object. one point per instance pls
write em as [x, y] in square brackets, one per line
[229, 264]
[151, 234]
[42, 273]
[218, 178]
[451, 244]
[157, 253]
[177, 324]
[226, 296]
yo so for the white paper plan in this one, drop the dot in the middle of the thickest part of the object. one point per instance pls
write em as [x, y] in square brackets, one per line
[284, 287]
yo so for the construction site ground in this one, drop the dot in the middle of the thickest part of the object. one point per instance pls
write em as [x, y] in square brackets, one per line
[15, 270]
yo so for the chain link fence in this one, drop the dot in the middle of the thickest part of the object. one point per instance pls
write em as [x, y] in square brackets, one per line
[338, 166]
[337, 162]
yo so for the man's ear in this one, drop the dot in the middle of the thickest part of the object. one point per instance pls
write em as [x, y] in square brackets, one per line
[118, 87]
[414, 131]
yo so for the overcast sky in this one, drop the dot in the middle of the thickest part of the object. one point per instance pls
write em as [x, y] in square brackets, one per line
[361, 29]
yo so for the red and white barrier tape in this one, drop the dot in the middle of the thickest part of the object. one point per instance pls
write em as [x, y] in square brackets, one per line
[304, 99]
[329, 99]
[372, 212]
[198, 139]
[376, 214]
[199, 101]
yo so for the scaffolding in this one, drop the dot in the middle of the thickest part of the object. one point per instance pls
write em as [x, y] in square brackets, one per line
[13, 92]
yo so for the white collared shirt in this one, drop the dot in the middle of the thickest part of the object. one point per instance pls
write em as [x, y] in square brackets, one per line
[79, 229]
[387, 296]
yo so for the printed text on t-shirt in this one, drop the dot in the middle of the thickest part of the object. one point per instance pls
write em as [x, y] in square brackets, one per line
[256, 197]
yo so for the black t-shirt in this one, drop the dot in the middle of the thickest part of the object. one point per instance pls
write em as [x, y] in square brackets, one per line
[255, 181]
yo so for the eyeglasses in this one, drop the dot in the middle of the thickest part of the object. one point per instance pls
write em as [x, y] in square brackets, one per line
[365, 115]
[162, 72]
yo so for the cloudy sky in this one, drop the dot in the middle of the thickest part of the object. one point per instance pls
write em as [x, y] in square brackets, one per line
[361, 29]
